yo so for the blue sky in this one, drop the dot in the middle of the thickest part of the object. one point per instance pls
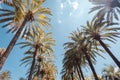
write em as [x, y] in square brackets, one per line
[68, 15]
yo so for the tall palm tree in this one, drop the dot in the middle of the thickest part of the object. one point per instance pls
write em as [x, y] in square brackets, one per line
[73, 59]
[78, 45]
[21, 18]
[97, 31]
[108, 9]
[5, 75]
[39, 43]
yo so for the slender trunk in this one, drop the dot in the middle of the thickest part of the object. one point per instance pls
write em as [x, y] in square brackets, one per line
[81, 73]
[38, 71]
[78, 73]
[110, 53]
[33, 64]
[91, 66]
[12, 43]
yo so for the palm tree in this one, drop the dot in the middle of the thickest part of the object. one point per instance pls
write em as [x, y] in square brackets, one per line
[39, 43]
[80, 45]
[97, 31]
[5, 75]
[48, 71]
[107, 9]
[110, 73]
[21, 18]
[73, 59]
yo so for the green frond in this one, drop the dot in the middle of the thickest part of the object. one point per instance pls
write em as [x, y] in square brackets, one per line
[6, 19]
[6, 10]
[8, 3]
[95, 8]
[7, 14]
[6, 25]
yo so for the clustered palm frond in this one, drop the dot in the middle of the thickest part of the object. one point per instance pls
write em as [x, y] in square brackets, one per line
[111, 72]
[40, 50]
[101, 28]
[23, 17]
[28, 19]
[108, 9]
[98, 29]
[5, 75]
[33, 11]
[75, 56]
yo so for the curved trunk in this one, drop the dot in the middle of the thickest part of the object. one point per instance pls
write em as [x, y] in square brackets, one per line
[110, 53]
[12, 43]
[32, 66]
[91, 66]
[81, 73]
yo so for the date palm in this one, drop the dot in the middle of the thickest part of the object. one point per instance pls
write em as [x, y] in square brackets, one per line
[80, 45]
[23, 15]
[97, 31]
[39, 43]
[108, 9]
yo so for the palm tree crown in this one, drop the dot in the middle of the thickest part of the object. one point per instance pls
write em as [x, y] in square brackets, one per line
[99, 30]
[76, 50]
[22, 18]
[39, 44]
[107, 9]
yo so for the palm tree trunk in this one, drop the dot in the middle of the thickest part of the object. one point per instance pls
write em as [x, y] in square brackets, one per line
[110, 53]
[91, 66]
[38, 71]
[12, 43]
[81, 73]
[33, 64]
[78, 73]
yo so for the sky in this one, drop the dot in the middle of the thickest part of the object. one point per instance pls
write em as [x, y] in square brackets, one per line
[68, 15]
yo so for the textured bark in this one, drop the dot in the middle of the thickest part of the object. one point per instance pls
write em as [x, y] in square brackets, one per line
[78, 73]
[110, 53]
[12, 43]
[81, 73]
[32, 66]
[91, 66]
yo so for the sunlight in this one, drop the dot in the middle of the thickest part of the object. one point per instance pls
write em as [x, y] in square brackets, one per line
[61, 6]
[59, 21]
[75, 5]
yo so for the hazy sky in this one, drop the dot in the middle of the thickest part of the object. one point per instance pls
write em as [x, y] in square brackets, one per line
[68, 15]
